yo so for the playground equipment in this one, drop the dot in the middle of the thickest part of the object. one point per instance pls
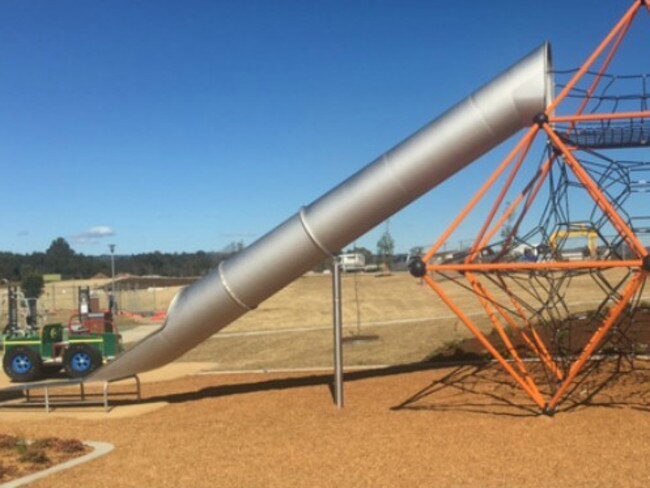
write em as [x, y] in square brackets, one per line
[14, 323]
[578, 187]
[527, 301]
[89, 340]
[23, 314]
[491, 115]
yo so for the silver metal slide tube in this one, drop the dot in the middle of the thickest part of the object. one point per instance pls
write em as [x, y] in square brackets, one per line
[430, 156]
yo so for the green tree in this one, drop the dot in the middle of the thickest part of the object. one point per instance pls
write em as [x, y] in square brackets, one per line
[386, 248]
[508, 227]
[32, 285]
[60, 258]
[416, 251]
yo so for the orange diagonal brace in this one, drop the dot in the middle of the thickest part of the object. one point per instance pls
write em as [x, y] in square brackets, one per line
[598, 197]
[628, 17]
[530, 135]
[482, 294]
[538, 343]
[597, 338]
[603, 69]
[540, 179]
[484, 341]
[497, 204]
[537, 346]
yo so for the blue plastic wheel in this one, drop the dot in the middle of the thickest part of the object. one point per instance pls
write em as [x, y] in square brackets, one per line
[21, 364]
[81, 362]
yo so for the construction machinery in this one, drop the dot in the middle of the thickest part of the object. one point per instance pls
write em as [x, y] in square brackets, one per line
[572, 231]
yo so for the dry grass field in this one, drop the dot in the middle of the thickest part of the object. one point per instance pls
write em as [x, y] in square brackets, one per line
[307, 301]
[405, 321]
[370, 299]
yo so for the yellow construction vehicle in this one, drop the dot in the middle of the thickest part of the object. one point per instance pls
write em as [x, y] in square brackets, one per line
[576, 230]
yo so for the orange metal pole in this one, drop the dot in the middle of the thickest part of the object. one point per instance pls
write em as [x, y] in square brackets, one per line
[546, 266]
[597, 339]
[596, 194]
[481, 292]
[499, 200]
[544, 354]
[541, 353]
[629, 15]
[484, 341]
[484, 189]
[538, 345]
[605, 66]
[546, 167]
[599, 117]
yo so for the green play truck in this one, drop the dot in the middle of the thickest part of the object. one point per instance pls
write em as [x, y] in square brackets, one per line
[88, 340]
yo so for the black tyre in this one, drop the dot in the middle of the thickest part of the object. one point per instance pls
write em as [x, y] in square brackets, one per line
[22, 364]
[80, 360]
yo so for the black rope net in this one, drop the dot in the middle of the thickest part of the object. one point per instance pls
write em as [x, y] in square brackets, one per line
[559, 221]
[613, 94]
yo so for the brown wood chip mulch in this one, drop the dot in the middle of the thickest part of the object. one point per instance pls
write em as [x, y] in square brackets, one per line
[451, 427]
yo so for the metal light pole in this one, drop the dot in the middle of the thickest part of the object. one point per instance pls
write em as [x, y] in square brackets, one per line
[112, 249]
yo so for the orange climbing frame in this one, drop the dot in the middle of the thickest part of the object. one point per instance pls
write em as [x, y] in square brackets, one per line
[503, 320]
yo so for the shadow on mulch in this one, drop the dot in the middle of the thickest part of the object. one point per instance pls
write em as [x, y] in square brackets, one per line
[611, 382]
[288, 383]
[471, 385]
[615, 379]
[478, 388]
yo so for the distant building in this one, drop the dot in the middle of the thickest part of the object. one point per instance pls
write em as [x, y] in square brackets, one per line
[352, 262]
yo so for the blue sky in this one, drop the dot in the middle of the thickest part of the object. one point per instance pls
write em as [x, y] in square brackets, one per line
[179, 126]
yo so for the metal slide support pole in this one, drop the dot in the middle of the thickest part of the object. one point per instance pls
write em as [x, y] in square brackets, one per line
[47, 400]
[338, 333]
[105, 395]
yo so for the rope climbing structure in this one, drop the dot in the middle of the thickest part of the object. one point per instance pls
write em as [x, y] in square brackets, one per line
[573, 222]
